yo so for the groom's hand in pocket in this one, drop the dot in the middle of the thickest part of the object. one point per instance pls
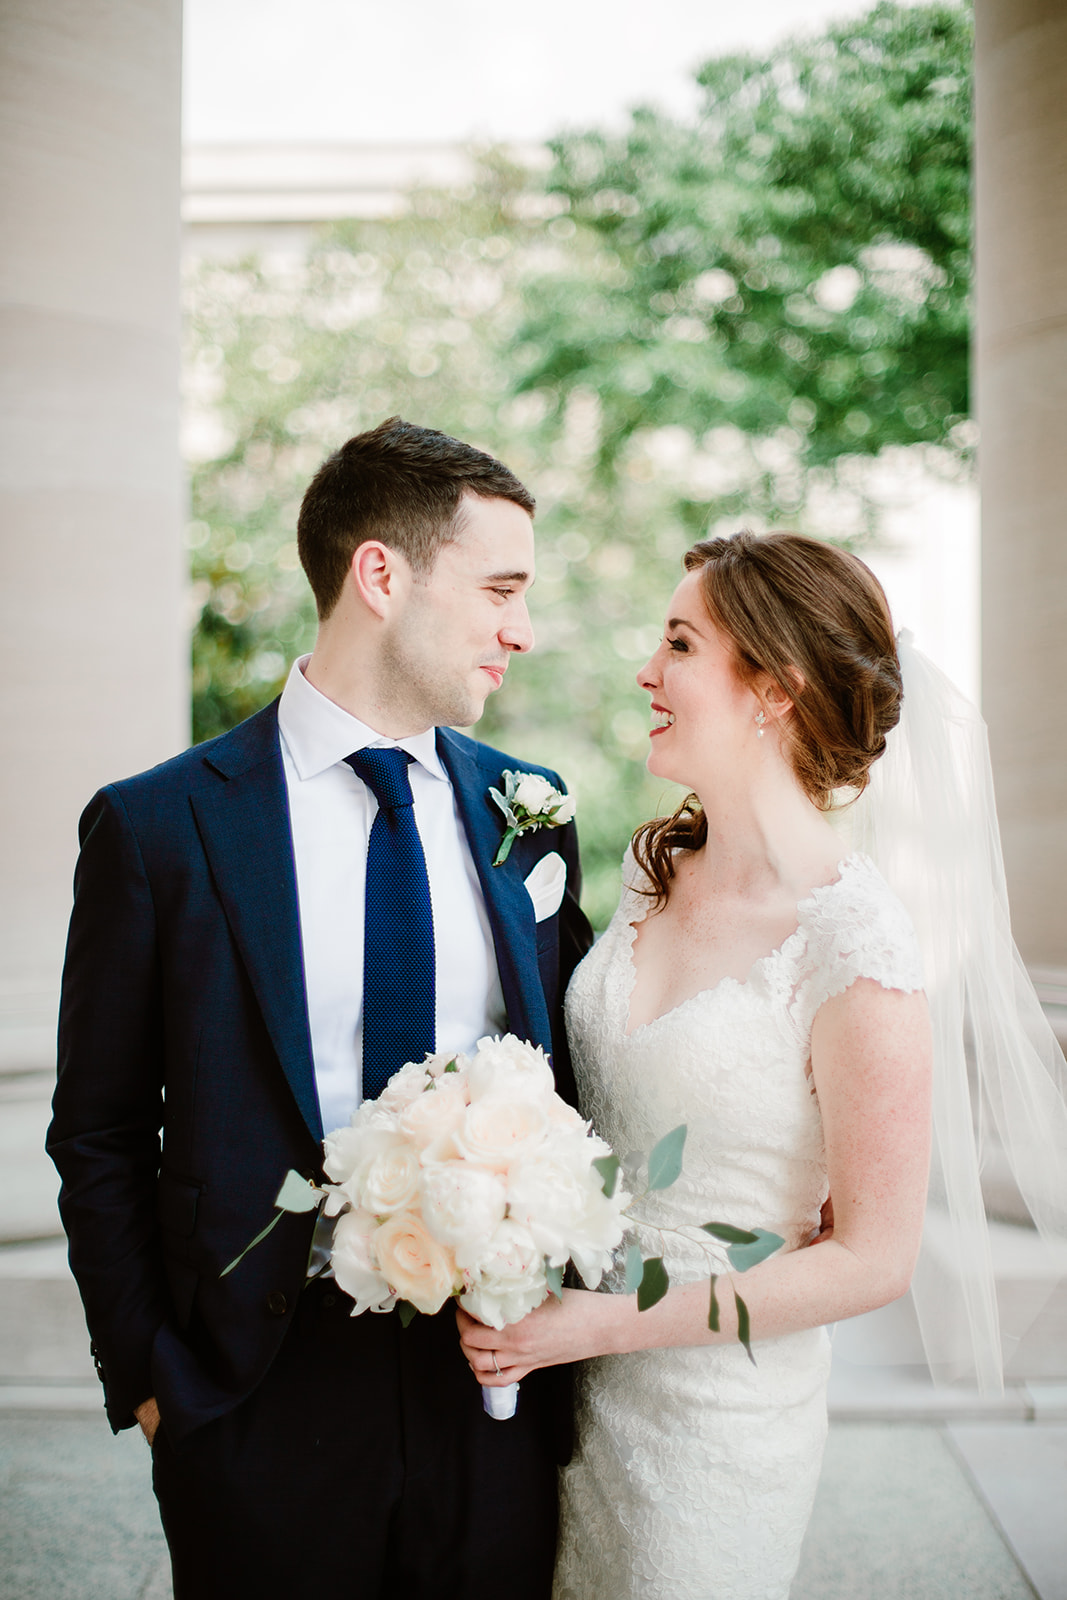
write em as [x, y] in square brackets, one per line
[147, 1414]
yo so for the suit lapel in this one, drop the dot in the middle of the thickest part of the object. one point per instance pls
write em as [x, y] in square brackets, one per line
[244, 823]
[511, 912]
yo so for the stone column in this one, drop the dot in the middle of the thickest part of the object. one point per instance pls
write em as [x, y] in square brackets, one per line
[93, 677]
[1021, 368]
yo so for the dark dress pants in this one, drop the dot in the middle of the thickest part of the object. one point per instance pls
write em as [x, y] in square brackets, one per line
[363, 1466]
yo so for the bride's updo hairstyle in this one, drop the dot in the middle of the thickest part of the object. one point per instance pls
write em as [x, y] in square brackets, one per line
[813, 619]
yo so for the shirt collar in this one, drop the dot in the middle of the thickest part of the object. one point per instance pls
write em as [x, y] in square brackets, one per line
[319, 734]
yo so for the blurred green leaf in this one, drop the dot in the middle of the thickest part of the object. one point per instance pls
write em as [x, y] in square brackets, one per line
[635, 1268]
[713, 1307]
[665, 1162]
[744, 1331]
[654, 1284]
[742, 1256]
[609, 1169]
[297, 1194]
[728, 1235]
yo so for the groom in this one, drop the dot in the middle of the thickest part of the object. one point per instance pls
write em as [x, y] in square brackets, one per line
[261, 926]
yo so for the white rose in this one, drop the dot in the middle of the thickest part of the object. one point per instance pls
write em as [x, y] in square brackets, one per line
[533, 794]
[508, 1281]
[462, 1206]
[435, 1114]
[391, 1180]
[564, 812]
[418, 1268]
[355, 1264]
[496, 1132]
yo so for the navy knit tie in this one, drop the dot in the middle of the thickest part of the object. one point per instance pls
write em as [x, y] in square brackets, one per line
[398, 953]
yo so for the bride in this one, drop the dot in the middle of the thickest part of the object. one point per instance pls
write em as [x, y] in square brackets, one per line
[765, 988]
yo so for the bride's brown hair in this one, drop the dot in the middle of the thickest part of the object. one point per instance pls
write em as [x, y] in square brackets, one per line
[815, 621]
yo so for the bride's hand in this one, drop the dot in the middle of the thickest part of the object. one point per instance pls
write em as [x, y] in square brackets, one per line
[559, 1331]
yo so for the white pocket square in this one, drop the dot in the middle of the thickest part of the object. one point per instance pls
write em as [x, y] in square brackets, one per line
[546, 884]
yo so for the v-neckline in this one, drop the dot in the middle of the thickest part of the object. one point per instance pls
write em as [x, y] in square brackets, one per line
[727, 980]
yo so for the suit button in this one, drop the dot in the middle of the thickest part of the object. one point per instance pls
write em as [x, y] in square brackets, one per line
[277, 1304]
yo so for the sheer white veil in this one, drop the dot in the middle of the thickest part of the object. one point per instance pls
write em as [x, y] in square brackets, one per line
[928, 819]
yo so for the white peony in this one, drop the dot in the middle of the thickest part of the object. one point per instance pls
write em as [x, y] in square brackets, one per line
[509, 1067]
[355, 1264]
[403, 1087]
[508, 1281]
[564, 812]
[352, 1153]
[559, 1197]
[533, 794]
[462, 1206]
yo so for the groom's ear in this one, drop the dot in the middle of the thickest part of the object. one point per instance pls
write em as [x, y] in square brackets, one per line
[378, 574]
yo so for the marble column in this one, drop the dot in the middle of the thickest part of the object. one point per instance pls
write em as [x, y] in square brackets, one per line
[94, 658]
[1021, 371]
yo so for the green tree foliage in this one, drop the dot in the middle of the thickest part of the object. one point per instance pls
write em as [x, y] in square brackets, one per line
[795, 264]
[689, 326]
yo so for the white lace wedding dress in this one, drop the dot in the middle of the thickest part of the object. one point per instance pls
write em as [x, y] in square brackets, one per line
[695, 1471]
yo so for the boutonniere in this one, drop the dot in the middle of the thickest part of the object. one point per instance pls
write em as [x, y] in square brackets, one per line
[529, 802]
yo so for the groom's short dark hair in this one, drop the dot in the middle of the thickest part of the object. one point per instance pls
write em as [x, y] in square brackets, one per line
[400, 484]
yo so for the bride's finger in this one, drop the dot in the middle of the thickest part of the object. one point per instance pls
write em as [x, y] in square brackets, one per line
[473, 1334]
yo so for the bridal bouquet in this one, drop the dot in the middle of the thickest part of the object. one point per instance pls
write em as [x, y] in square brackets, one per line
[470, 1178]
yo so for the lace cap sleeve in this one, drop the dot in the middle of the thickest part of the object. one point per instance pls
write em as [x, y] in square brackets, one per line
[634, 879]
[856, 928]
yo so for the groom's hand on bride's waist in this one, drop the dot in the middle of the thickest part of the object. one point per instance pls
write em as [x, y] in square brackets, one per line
[826, 1223]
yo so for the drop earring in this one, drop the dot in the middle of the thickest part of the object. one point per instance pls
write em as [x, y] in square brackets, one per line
[761, 717]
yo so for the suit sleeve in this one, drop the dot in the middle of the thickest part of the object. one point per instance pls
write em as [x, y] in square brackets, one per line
[108, 1105]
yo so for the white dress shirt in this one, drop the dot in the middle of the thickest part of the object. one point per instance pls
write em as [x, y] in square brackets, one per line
[331, 811]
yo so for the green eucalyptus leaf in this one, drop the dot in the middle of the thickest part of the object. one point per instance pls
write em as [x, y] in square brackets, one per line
[406, 1312]
[297, 1194]
[236, 1262]
[554, 1279]
[665, 1162]
[713, 1308]
[743, 1256]
[609, 1169]
[728, 1235]
[744, 1332]
[654, 1284]
[635, 1267]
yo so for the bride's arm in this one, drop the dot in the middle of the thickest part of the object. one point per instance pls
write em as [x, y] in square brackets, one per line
[871, 1063]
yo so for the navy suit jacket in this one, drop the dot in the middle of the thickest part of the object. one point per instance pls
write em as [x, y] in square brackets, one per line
[183, 1014]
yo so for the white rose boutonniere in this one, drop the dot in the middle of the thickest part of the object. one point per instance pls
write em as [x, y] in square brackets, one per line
[529, 802]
